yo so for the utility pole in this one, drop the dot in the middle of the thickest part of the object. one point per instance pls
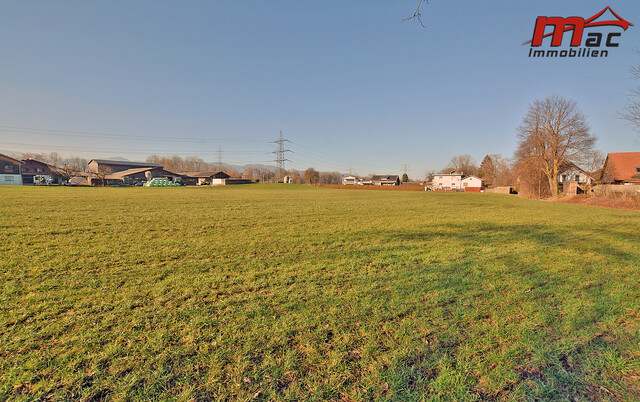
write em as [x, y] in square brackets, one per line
[219, 158]
[350, 170]
[280, 155]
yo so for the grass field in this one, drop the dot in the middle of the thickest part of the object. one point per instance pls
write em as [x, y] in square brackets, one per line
[291, 293]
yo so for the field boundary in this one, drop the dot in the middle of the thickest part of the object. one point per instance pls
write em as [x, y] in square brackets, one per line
[362, 187]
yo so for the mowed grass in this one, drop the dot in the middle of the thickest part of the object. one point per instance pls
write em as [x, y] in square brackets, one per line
[292, 293]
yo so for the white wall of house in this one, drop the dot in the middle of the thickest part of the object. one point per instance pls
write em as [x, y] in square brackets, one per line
[351, 180]
[218, 182]
[10, 179]
[447, 181]
[471, 181]
[574, 175]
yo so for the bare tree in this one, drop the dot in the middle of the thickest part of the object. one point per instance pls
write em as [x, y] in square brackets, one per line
[462, 163]
[101, 174]
[54, 159]
[329, 177]
[428, 177]
[495, 170]
[504, 171]
[593, 161]
[311, 176]
[532, 183]
[553, 132]
[71, 167]
[632, 111]
[416, 16]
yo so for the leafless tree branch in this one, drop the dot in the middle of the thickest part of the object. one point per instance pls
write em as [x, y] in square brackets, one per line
[416, 16]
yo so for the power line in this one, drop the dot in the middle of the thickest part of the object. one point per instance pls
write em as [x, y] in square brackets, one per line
[89, 134]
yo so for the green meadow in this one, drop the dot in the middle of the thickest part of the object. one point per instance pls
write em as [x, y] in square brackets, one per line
[285, 292]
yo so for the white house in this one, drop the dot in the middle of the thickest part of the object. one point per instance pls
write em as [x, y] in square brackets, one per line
[447, 181]
[472, 182]
[351, 180]
[571, 172]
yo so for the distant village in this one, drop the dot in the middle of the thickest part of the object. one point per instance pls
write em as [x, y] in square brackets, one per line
[618, 172]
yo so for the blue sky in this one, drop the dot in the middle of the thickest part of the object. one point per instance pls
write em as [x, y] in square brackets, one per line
[347, 83]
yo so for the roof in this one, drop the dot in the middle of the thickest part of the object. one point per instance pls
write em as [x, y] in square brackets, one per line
[622, 166]
[219, 175]
[125, 163]
[35, 160]
[385, 177]
[128, 172]
[570, 166]
[8, 157]
[472, 177]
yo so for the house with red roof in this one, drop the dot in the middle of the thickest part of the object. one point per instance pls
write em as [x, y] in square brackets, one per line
[621, 168]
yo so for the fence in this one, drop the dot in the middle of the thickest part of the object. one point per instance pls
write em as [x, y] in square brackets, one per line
[607, 189]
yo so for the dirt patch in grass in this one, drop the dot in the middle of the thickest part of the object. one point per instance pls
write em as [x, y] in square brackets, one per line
[631, 203]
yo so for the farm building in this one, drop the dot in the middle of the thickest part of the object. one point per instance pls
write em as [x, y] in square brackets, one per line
[621, 168]
[198, 178]
[386, 180]
[118, 172]
[10, 170]
[117, 165]
[472, 184]
[138, 175]
[212, 179]
[36, 172]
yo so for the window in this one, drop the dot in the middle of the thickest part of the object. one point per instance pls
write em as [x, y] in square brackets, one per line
[8, 167]
[638, 170]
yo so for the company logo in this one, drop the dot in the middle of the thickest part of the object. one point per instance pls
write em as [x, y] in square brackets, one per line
[596, 44]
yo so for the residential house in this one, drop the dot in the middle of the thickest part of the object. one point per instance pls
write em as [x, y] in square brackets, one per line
[386, 180]
[621, 168]
[10, 171]
[448, 181]
[573, 179]
[571, 172]
[351, 180]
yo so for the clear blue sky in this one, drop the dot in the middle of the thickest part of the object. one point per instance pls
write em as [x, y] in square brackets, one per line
[344, 80]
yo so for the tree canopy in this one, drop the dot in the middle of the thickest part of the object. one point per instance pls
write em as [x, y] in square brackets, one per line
[554, 132]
